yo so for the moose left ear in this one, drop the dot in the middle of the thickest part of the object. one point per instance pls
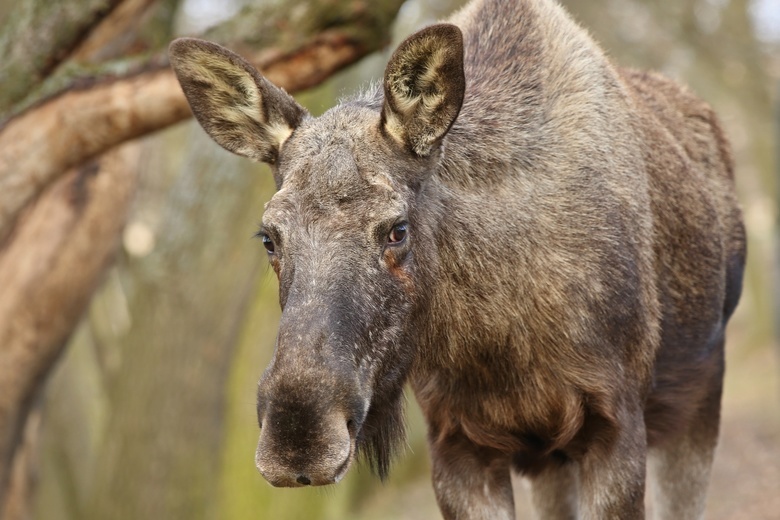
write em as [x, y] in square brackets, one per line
[424, 88]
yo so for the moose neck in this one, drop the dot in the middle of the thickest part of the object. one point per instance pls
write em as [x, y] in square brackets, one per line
[548, 101]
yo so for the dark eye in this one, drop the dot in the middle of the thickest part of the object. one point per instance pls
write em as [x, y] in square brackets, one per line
[398, 234]
[268, 243]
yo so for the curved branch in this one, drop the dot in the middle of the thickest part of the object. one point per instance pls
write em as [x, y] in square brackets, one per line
[114, 34]
[75, 222]
[72, 127]
[37, 36]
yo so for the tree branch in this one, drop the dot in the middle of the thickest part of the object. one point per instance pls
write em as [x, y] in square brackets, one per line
[82, 122]
[115, 33]
[37, 36]
[48, 271]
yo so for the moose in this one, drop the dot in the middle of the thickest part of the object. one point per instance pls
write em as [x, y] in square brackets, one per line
[546, 246]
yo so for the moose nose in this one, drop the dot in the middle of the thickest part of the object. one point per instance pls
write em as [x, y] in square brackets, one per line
[295, 451]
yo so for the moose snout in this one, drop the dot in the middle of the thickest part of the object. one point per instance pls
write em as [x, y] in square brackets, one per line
[297, 450]
[311, 403]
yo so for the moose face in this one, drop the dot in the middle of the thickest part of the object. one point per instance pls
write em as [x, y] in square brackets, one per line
[341, 237]
[350, 234]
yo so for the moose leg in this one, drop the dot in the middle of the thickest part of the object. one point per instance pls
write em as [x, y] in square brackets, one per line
[680, 467]
[471, 482]
[612, 474]
[554, 492]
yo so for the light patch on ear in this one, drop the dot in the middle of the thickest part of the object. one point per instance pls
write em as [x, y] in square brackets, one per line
[430, 74]
[234, 91]
[405, 102]
[409, 92]
[237, 107]
[244, 102]
[253, 102]
[410, 97]
[279, 132]
[424, 88]
[432, 102]
[395, 128]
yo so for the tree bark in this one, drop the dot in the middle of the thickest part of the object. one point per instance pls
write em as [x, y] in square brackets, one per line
[48, 270]
[38, 36]
[116, 35]
[158, 456]
[19, 504]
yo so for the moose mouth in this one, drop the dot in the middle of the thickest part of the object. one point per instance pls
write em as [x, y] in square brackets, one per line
[342, 470]
[304, 478]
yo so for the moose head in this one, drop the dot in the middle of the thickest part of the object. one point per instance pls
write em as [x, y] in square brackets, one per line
[345, 234]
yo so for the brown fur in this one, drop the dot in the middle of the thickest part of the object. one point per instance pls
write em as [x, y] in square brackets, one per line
[574, 252]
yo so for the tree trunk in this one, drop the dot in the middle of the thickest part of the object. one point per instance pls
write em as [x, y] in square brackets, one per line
[159, 453]
[776, 277]
[48, 269]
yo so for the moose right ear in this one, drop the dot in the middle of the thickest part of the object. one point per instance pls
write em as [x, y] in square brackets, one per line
[240, 109]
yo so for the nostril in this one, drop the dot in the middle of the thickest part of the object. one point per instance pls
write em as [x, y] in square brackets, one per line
[303, 480]
[351, 426]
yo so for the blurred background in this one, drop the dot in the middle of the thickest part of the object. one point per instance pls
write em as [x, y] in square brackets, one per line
[149, 413]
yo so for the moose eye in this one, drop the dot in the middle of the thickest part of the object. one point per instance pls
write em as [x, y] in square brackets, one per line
[268, 243]
[398, 234]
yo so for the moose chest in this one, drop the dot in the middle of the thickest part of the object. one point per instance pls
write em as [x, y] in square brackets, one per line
[532, 416]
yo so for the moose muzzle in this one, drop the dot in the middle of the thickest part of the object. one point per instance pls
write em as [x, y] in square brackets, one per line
[310, 408]
[300, 447]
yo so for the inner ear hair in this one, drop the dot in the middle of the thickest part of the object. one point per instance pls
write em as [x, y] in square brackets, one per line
[241, 110]
[424, 85]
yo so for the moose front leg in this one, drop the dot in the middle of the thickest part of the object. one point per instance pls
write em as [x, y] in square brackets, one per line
[612, 473]
[554, 492]
[471, 482]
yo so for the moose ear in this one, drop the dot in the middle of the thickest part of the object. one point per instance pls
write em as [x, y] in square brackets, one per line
[240, 109]
[424, 87]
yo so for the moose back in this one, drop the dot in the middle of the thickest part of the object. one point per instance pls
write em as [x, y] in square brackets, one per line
[545, 245]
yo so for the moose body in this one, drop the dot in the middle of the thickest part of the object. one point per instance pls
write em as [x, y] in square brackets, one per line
[546, 246]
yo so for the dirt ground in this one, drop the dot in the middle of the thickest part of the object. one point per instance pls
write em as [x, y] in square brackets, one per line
[746, 476]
